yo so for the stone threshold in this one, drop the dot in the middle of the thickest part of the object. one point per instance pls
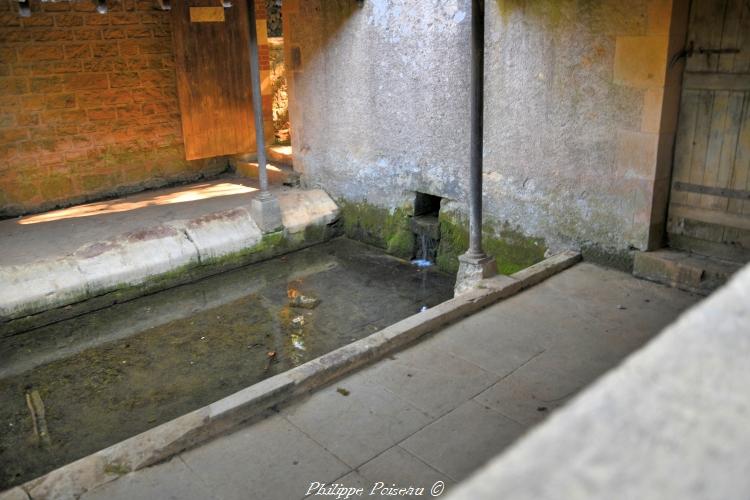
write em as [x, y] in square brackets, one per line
[168, 439]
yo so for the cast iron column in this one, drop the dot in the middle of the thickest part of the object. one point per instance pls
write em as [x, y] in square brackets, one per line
[264, 207]
[475, 265]
[477, 129]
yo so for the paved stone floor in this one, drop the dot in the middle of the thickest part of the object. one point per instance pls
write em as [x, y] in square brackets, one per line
[436, 411]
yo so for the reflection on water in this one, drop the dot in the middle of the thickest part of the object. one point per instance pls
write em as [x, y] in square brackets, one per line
[111, 374]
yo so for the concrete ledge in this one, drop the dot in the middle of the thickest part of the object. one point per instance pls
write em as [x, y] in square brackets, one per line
[671, 422]
[170, 438]
[155, 257]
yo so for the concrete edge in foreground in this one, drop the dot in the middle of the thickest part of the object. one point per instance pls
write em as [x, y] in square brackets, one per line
[168, 439]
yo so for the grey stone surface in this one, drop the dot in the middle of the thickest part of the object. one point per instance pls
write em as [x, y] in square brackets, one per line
[694, 273]
[222, 233]
[266, 212]
[458, 443]
[17, 493]
[671, 422]
[489, 341]
[471, 271]
[81, 259]
[398, 466]
[168, 481]
[400, 69]
[387, 419]
[269, 460]
[433, 381]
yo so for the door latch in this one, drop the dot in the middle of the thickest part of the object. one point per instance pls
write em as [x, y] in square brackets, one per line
[690, 50]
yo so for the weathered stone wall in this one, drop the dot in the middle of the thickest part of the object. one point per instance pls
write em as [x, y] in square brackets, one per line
[88, 104]
[574, 117]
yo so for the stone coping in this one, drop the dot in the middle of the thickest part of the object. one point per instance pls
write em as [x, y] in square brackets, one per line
[170, 438]
[157, 256]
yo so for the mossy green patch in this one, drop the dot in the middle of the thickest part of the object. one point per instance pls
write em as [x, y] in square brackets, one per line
[380, 227]
[510, 247]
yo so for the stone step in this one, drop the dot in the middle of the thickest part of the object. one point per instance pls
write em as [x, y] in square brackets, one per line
[686, 271]
[277, 173]
[281, 155]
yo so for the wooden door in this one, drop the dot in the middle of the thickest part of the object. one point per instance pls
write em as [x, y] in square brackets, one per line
[213, 77]
[709, 209]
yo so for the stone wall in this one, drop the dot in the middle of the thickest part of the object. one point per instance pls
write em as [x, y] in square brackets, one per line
[578, 133]
[88, 104]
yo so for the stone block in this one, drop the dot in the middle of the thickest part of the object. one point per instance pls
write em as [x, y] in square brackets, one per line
[301, 209]
[132, 258]
[636, 154]
[222, 233]
[39, 286]
[641, 61]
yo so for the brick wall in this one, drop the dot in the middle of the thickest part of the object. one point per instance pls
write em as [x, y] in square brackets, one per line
[88, 104]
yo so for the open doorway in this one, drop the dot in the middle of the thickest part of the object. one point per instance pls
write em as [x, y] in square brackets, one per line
[280, 149]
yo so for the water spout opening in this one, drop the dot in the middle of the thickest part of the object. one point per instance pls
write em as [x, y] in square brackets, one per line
[426, 229]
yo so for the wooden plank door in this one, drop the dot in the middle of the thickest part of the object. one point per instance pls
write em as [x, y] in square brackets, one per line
[709, 209]
[213, 77]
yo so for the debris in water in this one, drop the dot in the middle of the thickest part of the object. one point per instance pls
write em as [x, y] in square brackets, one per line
[621, 307]
[541, 409]
[421, 263]
[423, 309]
[38, 418]
[343, 391]
[304, 301]
[299, 321]
[271, 355]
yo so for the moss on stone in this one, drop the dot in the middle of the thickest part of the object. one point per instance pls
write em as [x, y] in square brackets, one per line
[380, 227]
[617, 258]
[510, 247]
[401, 244]
[117, 469]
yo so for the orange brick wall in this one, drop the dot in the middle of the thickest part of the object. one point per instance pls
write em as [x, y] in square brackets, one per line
[88, 104]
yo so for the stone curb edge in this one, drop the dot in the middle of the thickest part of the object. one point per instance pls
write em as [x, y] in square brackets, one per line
[170, 438]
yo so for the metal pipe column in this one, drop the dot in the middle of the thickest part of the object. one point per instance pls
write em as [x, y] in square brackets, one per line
[477, 129]
[257, 98]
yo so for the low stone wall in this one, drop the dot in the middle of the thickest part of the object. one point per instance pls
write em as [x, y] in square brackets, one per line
[156, 257]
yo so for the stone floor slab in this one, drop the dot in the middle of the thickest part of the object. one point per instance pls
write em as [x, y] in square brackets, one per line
[433, 381]
[463, 440]
[399, 468]
[367, 420]
[269, 460]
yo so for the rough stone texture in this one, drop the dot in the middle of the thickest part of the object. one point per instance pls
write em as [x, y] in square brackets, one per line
[694, 273]
[224, 233]
[154, 251]
[472, 271]
[572, 121]
[170, 438]
[88, 105]
[671, 422]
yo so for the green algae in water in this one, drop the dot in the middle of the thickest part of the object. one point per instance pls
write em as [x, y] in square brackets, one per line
[109, 375]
